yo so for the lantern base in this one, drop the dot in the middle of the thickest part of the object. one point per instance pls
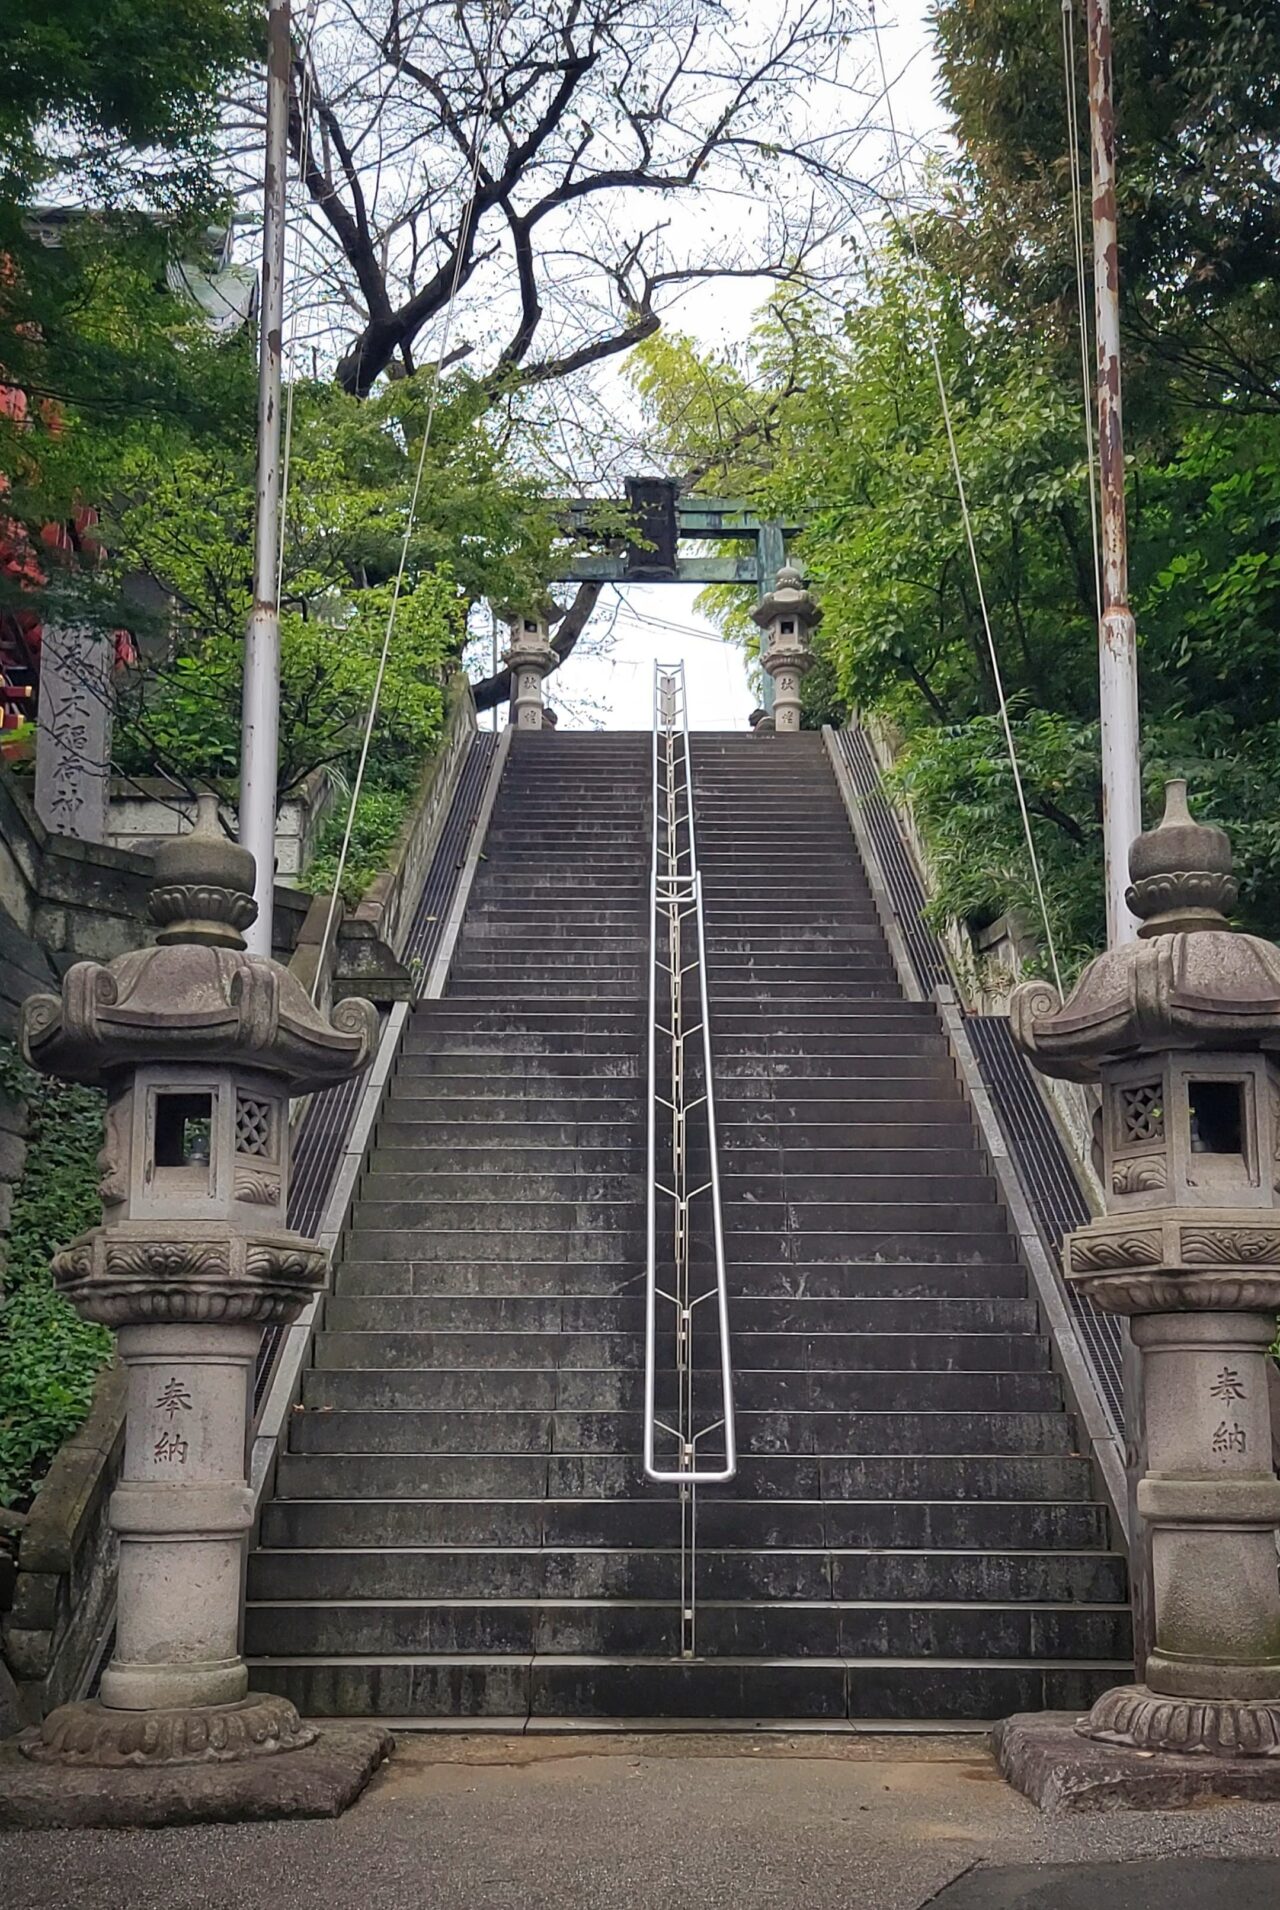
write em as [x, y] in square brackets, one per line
[1146, 1720]
[93, 1735]
[1043, 1755]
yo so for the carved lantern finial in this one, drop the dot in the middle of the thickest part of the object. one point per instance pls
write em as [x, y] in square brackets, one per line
[1180, 872]
[202, 888]
[1180, 1030]
[199, 1047]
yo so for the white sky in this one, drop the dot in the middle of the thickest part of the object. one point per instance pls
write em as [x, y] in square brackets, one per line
[657, 623]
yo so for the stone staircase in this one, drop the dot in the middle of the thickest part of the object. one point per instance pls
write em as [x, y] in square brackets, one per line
[461, 1530]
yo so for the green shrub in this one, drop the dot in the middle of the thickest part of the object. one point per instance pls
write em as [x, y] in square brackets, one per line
[379, 814]
[49, 1357]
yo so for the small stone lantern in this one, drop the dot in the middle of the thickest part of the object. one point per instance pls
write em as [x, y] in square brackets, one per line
[199, 1047]
[787, 616]
[1181, 1029]
[529, 657]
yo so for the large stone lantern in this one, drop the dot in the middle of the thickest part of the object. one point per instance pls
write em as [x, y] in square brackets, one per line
[787, 616]
[199, 1047]
[529, 657]
[1182, 1030]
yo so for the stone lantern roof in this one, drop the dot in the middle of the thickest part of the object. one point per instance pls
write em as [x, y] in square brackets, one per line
[197, 996]
[1190, 981]
[789, 598]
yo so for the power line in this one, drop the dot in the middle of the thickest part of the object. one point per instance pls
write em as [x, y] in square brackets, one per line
[957, 472]
[497, 19]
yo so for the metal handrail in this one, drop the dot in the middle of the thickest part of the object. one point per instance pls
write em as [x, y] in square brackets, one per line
[676, 903]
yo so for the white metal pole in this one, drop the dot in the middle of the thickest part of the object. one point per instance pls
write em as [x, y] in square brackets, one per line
[1117, 636]
[261, 726]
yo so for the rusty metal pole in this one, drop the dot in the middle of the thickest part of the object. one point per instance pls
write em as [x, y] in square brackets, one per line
[1117, 637]
[1118, 699]
[261, 725]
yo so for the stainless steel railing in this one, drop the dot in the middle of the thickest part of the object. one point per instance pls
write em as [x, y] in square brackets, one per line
[682, 1289]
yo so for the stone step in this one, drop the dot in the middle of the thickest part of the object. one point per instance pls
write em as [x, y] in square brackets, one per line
[421, 1126]
[583, 1099]
[866, 1525]
[402, 1164]
[816, 1690]
[460, 1184]
[765, 1280]
[512, 1571]
[781, 1628]
[779, 1196]
[849, 1064]
[978, 1475]
[1013, 1412]
[584, 1204]
[943, 1123]
[535, 988]
[558, 1064]
[813, 1096]
[951, 1379]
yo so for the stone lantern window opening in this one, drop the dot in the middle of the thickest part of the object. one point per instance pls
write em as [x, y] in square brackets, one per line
[183, 1128]
[181, 1145]
[1216, 1113]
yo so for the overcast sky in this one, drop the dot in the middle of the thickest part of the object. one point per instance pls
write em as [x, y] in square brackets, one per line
[658, 622]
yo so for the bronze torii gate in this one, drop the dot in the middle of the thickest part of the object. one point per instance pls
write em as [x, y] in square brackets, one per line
[665, 519]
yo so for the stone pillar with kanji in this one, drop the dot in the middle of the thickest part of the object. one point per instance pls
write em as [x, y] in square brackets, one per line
[199, 1047]
[787, 616]
[529, 657]
[1181, 1031]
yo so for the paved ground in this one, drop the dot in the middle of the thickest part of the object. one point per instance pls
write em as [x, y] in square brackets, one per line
[625, 1823]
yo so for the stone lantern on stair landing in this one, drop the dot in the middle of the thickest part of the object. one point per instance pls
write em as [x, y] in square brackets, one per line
[1182, 1031]
[529, 657]
[199, 1047]
[787, 616]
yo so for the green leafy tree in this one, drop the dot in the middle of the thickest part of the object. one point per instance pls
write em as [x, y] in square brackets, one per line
[1197, 86]
[859, 448]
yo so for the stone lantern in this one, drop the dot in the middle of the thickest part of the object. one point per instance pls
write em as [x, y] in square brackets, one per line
[787, 616]
[529, 657]
[1182, 1031]
[199, 1047]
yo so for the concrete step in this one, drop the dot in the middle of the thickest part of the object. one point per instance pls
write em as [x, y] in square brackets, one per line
[866, 1429]
[404, 1164]
[1017, 1412]
[854, 1578]
[949, 1379]
[421, 1127]
[523, 1063]
[978, 1475]
[793, 1628]
[585, 1205]
[583, 1686]
[868, 1525]
[765, 1280]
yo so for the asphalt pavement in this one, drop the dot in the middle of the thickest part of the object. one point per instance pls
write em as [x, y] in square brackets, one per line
[702, 1823]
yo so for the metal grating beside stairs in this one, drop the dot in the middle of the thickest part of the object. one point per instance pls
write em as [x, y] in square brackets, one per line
[461, 1529]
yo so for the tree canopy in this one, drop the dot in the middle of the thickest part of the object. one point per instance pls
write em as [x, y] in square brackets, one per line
[833, 416]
